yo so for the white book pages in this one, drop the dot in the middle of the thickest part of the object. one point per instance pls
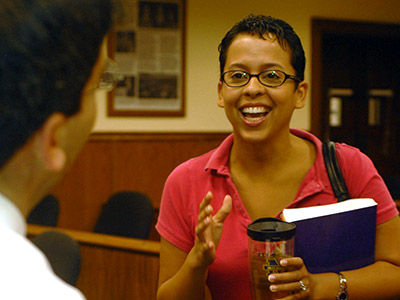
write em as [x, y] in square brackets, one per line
[302, 213]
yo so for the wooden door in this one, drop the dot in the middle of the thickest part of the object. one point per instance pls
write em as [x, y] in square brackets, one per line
[356, 88]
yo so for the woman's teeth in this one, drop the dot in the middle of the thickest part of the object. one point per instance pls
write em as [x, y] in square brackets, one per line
[254, 113]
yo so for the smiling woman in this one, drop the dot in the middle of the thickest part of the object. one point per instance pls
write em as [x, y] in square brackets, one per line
[262, 168]
[278, 96]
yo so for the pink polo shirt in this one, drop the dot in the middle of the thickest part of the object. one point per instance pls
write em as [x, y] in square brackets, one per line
[228, 276]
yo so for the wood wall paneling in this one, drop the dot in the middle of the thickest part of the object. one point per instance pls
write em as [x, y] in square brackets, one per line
[85, 187]
[113, 162]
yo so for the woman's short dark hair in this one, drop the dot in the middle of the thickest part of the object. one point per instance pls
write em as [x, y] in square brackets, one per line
[262, 25]
[47, 52]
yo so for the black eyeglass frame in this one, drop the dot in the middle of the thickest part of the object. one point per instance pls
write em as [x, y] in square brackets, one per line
[287, 76]
[110, 77]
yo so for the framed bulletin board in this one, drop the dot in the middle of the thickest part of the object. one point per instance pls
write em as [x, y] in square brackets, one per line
[148, 45]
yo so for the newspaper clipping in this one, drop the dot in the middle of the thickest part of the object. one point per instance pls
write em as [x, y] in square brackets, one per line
[149, 52]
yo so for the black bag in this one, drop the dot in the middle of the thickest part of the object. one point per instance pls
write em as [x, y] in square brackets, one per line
[335, 175]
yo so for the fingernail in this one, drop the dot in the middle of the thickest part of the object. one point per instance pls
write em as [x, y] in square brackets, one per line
[271, 278]
[273, 288]
[283, 262]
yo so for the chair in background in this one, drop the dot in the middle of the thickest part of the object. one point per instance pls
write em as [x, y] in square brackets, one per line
[63, 253]
[45, 212]
[126, 213]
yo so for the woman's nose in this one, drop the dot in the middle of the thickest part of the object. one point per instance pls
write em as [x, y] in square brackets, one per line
[254, 87]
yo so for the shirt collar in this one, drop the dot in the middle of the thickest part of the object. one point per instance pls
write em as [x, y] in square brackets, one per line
[11, 217]
[219, 159]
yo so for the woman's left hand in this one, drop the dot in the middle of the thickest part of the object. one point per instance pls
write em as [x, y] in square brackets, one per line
[294, 284]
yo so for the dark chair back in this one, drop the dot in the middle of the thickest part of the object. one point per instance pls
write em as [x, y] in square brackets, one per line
[45, 212]
[63, 253]
[126, 213]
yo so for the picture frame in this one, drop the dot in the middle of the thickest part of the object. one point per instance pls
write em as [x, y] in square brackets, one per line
[148, 46]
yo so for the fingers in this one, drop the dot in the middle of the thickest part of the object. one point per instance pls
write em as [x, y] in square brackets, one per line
[296, 283]
[206, 237]
[204, 217]
[206, 200]
[290, 293]
[204, 221]
[204, 251]
[207, 224]
[293, 290]
[209, 228]
[224, 211]
[297, 271]
[292, 262]
[206, 210]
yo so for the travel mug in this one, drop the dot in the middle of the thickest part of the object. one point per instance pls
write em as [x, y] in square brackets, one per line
[270, 240]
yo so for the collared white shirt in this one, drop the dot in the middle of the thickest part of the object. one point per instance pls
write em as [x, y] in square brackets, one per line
[25, 272]
[11, 217]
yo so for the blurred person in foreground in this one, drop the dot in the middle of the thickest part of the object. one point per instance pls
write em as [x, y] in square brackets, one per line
[52, 57]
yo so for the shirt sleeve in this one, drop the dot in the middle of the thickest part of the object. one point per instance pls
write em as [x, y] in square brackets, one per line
[176, 221]
[364, 181]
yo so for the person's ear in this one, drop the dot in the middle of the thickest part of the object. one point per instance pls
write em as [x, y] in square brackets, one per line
[301, 93]
[49, 143]
[220, 101]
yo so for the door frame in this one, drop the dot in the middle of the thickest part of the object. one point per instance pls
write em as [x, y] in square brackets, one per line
[320, 27]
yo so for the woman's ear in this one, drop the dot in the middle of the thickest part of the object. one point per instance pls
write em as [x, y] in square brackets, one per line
[301, 93]
[49, 147]
[220, 101]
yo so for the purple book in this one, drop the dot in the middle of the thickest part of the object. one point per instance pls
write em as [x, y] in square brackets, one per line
[335, 237]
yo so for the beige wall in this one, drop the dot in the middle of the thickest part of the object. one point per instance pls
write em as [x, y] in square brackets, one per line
[207, 21]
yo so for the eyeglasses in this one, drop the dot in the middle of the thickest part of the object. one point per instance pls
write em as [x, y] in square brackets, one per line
[110, 77]
[270, 78]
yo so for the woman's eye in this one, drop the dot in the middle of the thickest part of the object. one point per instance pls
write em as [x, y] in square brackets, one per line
[238, 75]
[272, 75]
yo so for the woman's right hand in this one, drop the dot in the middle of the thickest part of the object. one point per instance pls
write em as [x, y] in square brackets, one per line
[209, 228]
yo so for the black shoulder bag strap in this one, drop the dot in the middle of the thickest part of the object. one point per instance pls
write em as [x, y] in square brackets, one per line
[335, 175]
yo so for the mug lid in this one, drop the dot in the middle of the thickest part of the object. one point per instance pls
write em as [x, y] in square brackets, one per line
[271, 229]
